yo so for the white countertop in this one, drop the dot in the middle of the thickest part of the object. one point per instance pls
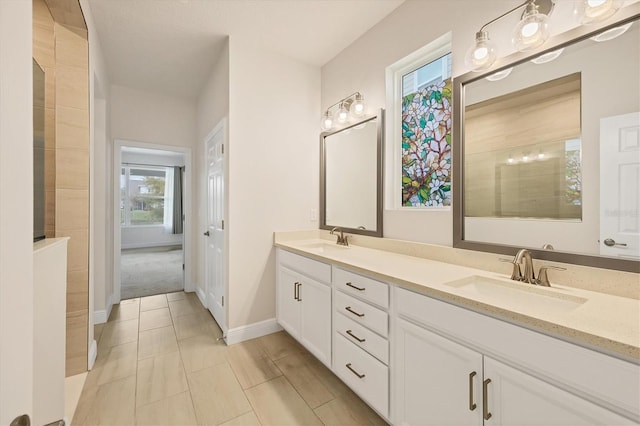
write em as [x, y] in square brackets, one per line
[606, 323]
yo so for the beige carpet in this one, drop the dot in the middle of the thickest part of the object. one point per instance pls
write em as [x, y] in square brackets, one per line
[149, 271]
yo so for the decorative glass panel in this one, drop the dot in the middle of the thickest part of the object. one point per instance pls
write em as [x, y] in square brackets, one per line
[426, 135]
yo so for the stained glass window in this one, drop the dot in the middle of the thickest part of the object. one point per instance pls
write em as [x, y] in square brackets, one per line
[426, 135]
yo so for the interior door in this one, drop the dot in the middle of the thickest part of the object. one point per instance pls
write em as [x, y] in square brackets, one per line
[620, 186]
[215, 255]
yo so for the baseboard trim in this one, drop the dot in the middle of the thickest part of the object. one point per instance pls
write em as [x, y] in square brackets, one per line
[251, 331]
[152, 244]
[100, 317]
[93, 353]
[201, 296]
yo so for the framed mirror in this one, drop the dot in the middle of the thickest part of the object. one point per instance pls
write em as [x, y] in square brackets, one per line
[351, 177]
[547, 150]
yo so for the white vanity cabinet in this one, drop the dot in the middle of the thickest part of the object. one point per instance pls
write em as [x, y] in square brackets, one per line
[446, 372]
[361, 332]
[304, 302]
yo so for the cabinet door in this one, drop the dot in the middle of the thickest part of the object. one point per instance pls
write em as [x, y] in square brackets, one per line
[437, 381]
[515, 398]
[288, 304]
[315, 332]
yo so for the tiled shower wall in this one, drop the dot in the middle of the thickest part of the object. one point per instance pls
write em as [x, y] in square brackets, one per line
[62, 51]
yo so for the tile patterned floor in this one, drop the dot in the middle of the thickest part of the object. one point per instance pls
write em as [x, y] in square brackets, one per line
[160, 363]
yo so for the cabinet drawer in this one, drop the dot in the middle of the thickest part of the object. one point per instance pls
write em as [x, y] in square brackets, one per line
[362, 337]
[362, 313]
[367, 376]
[366, 288]
[311, 268]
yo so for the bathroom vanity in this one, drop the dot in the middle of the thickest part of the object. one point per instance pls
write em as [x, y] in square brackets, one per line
[427, 342]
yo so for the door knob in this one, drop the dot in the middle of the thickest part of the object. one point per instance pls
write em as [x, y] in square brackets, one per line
[206, 234]
[610, 242]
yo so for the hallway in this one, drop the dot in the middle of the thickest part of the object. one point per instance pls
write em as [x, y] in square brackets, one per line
[160, 363]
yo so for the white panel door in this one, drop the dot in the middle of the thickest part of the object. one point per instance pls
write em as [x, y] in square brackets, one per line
[620, 186]
[288, 309]
[437, 381]
[518, 399]
[215, 253]
[316, 318]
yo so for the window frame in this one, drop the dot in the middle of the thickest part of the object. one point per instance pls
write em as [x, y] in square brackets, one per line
[127, 196]
[393, 128]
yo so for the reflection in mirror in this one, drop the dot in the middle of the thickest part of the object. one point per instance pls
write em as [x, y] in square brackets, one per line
[38, 153]
[350, 181]
[549, 152]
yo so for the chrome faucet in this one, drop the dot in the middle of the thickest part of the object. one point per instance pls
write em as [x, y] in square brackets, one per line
[525, 255]
[343, 240]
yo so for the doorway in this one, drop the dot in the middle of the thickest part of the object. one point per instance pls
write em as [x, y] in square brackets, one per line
[151, 231]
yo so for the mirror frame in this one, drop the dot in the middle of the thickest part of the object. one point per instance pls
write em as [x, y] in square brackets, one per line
[625, 15]
[379, 118]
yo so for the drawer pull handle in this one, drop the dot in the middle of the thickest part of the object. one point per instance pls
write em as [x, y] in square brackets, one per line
[485, 400]
[299, 297]
[360, 376]
[295, 290]
[356, 287]
[355, 337]
[348, 308]
[472, 405]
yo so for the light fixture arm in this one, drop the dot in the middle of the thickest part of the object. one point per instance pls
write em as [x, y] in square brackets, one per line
[505, 14]
[344, 99]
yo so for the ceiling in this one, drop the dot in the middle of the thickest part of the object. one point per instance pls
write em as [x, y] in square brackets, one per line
[170, 46]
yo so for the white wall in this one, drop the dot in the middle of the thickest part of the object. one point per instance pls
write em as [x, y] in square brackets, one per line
[361, 66]
[273, 169]
[157, 119]
[16, 210]
[213, 106]
[101, 157]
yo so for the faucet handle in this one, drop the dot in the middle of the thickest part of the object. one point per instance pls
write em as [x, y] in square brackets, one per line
[516, 273]
[543, 278]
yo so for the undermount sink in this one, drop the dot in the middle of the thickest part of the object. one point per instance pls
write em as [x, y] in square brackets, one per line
[516, 295]
[323, 247]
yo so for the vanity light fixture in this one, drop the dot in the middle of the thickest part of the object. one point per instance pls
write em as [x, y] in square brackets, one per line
[592, 11]
[499, 75]
[351, 106]
[531, 32]
[612, 33]
[547, 57]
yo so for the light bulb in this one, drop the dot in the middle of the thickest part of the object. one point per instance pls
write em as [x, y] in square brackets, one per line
[327, 121]
[612, 33]
[342, 115]
[547, 57]
[510, 160]
[591, 11]
[357, 108]
[540, 155]
[482, 54]
[532, 30]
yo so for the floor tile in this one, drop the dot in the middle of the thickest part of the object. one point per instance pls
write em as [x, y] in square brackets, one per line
[348, 409]
[304, 380]
[153, 302]
[118, 362]
[158, 341]
[326, 376]
[201, 323]
[109, 404]
[119, 332]
[200, 352]
[251, 363]
[277, 402]
[217, 395]
[160, 377]
[155, 319]
[125, 310]
[182, 307]
[248, 419]
[178, 295]
[280, 344]
[176, 410]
